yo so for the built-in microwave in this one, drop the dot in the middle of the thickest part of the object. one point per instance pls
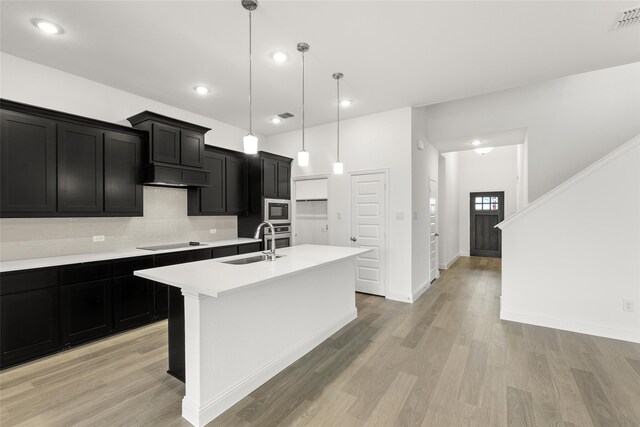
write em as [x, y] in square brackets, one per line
[277, 211]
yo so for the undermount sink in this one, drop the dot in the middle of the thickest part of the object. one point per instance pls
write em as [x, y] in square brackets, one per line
[250, 260]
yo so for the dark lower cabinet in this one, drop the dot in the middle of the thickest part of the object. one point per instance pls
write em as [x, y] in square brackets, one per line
[160, 301]
[29, 325]
[249, 248]
[86, 311]
[176, 333]
[133, 302]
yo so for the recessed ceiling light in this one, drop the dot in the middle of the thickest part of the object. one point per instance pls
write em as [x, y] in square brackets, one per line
[483, 150]
[476, 142]
[275, 120]
[280, 57]
[345, 102]
[47, 26]
[202, 90]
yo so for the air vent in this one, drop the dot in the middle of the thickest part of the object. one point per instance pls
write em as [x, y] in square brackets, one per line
[628, 17]
[285, 115]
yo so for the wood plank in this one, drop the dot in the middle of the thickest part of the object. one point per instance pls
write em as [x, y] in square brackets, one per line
[599, 407]
[519, 408]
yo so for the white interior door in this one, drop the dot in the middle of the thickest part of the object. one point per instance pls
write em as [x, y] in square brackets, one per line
[368, 230]
[434, 273]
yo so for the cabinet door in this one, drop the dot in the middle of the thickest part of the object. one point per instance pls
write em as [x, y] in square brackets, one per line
[133, 301]
[270, 178]
[222, 251]
[29, 325]
[284, 180]
[28, 150]
[249, 248]
[80, 169]
[86, 311]
[191, 148]
[122, 174]
[212, 198]
[165, 141]
[236, 177]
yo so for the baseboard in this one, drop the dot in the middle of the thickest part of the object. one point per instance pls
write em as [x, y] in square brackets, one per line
[564, 324]
[421, 290]
[399, 297]
[451, 262]
[200, 415]
[463, 253]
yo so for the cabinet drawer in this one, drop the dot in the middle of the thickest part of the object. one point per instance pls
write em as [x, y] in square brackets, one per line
[124, 267]
[85, 272]
[249, 247]
[28, 280]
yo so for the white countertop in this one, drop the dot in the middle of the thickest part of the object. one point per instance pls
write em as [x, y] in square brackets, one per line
[27, 264]
[215, 278]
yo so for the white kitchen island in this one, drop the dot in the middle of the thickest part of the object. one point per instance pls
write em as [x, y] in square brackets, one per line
[245, 323]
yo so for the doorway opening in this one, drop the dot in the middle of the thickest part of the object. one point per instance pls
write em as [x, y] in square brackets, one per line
[310, 219]
[486, 209]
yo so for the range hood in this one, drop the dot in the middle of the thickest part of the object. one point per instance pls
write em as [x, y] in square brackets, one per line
[167, 176]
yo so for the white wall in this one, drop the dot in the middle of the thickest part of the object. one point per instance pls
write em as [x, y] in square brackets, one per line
[424, 166]
[494, 171]
[377, 141]
[571, 258]
[571, 122]
[31, 83]
[450, 215]
[523, 175]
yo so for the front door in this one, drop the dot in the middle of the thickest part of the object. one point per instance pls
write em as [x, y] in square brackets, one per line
[368, 222]
[486, 210]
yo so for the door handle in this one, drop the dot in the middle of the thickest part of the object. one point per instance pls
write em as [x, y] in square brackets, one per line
[353, 239]
[436, 234]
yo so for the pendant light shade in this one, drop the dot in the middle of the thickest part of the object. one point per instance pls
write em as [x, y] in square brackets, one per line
[303, 155]
[338, 167]
[250, 142]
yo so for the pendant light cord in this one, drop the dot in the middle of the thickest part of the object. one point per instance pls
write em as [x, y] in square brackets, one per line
[302, 100]
[250, 78]
[338, 108]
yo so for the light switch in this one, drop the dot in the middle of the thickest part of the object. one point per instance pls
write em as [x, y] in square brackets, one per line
[399, 215]
[339, 215]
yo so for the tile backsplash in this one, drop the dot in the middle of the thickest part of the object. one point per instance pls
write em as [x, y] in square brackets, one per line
[165, 220]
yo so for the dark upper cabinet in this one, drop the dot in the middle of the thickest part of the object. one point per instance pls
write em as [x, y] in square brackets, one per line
[29, 315]
[122, 173]
[276, 177]
[213, 198]
[191, 148]
[226, 194]
[28, 166]
[165, 144]
[284, 180]
[56, 164]
[80, 168]
[270, 178]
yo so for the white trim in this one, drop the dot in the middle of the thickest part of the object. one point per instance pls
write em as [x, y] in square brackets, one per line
[421, 290]
[200, 415]
[399, 297]
[565, 324]
[580, 176]
[463, 253]
[387, 201]
[451, 261]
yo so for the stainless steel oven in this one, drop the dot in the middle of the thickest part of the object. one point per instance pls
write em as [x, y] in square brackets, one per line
[277, 211]
[283, 236]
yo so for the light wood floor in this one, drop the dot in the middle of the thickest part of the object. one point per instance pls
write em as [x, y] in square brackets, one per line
[446, 360]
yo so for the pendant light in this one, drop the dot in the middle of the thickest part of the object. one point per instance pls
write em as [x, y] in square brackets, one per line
[250, 141]
[303, 155]
[338, 167]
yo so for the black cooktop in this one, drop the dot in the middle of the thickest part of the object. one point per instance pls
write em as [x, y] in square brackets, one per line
[172, 246]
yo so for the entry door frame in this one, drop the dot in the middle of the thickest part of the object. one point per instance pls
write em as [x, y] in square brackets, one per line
[295, 180]
[501, 216]
[386, 214]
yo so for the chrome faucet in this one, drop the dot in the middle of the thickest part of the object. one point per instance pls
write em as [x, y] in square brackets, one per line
[272, 253]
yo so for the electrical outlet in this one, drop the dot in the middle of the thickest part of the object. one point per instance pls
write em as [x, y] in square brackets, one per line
[627, 305]
[99, 238]
[212, 231]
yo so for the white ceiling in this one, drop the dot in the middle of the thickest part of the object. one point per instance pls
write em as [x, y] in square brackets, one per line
[392, 53]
